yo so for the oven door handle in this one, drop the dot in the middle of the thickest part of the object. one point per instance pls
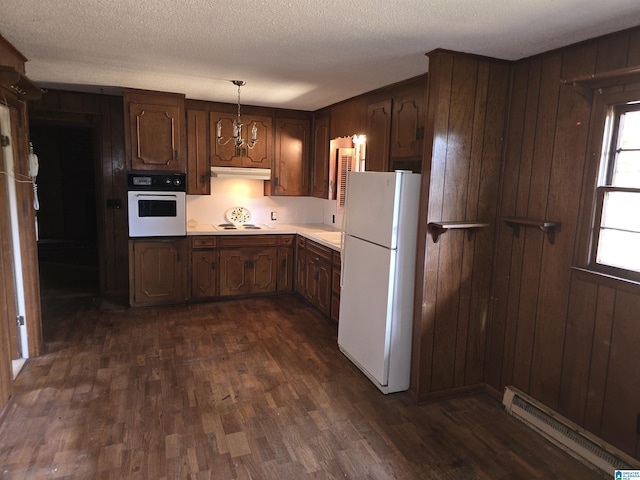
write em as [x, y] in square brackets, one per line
[156, 195]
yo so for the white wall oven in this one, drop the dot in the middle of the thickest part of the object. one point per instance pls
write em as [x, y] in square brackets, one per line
[157, 204]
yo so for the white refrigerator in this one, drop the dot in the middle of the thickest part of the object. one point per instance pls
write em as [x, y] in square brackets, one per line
[378, 267]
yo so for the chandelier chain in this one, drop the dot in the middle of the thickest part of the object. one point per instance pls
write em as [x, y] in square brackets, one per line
[239, 103]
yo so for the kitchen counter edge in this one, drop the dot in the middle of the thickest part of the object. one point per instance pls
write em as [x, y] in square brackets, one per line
[312, 231]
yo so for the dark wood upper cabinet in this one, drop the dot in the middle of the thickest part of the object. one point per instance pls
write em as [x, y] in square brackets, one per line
[291, 167]
[156, 135]
[378, 136]
[260, 156]
[407, 124]
[198, 170]
[322, 177]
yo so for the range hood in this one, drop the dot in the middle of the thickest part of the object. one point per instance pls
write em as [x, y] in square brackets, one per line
[241, 172]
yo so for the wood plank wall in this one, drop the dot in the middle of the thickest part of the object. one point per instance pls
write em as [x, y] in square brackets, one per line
[566, 338]
[467, 99]
[103, 113]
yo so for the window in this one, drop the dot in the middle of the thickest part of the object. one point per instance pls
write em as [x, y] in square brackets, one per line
[616, 243]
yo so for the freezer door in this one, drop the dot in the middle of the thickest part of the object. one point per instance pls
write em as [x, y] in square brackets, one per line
[364, 329]
[371, 209]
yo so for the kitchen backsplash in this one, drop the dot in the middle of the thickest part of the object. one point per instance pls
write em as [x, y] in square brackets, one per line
[231, 192]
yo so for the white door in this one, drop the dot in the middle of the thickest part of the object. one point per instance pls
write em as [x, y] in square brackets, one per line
[364, 329]
[372, 206]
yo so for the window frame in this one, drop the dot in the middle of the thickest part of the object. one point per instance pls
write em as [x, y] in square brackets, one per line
[603, 129]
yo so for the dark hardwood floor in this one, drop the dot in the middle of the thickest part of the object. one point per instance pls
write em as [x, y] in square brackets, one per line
[246, 389]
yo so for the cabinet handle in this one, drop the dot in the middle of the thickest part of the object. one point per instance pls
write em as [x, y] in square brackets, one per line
[175, 154]
[284, 262]
[213, 266]
[316, 275]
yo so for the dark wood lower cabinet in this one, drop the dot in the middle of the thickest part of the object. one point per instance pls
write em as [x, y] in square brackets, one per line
[202, 267]
[336, 270]
[245, 271]
[204, 273]
[318, 283]
[157, 271]
[286, 260]
[314, 275]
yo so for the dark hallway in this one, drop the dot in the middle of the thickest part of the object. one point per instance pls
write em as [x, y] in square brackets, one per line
[67, 228]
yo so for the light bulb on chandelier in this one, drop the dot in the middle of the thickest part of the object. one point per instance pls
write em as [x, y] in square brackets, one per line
[237, 138]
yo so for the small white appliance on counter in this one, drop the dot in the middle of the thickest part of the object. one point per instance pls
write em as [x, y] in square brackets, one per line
[378, 269]
[157, 204]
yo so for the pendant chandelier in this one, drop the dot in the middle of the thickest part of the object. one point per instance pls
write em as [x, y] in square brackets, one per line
[237, 137]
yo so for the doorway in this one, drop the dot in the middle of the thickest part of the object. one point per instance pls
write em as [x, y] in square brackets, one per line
[67, 217]
[13, 338]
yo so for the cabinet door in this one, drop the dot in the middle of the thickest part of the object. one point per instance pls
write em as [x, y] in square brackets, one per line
[158, 271]
[378, 136]
[285, 269]
[310, 291]
[407, 125]
[198, 171]
[292, 157]
[263, 270]
[335, 286]
[323, 287]
[204, 273]
[233, 272]
[323, 174]
[155, 134]
[301, 271]
[260, 156]
[223, 155]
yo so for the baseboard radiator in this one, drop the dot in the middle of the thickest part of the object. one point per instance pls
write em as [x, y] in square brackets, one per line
[580, 444]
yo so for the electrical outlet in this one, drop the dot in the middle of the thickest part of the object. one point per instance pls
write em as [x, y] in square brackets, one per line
[274, 215]
[333, 219]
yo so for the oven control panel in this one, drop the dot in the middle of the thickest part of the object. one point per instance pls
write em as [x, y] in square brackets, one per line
[171, 182]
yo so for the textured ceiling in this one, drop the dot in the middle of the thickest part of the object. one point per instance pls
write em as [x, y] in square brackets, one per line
[294, 54]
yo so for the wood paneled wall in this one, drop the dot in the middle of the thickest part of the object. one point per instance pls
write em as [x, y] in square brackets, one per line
[567, 338]
[467, 98]
[103, 113]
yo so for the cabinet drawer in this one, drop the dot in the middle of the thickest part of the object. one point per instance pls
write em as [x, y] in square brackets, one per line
[325, 253]
[285, 240]
[247, 240]
[301, 241]
[203, 242]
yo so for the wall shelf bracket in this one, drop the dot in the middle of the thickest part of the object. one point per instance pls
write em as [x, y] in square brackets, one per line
[438, 228]
[547, 227]
[586, 84]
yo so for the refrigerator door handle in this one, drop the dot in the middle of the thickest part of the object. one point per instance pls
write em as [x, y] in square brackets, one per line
[343, 234]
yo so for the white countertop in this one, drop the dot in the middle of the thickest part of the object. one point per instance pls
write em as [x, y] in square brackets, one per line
[318, 232]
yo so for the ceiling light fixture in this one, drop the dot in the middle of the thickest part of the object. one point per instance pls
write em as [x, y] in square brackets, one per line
[237, 138]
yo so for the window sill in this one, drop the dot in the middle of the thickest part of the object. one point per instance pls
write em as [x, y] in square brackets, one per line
[607, 280]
